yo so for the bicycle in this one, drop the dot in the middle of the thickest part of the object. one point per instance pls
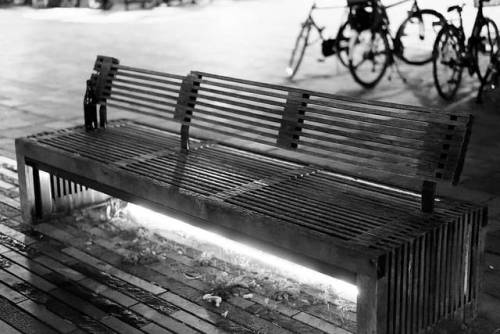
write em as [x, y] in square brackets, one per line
[338, 46]
[372, 48]
[452, 54]
[491, 80]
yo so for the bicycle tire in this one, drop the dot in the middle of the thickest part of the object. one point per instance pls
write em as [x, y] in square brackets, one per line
[478, 46]
[298, 50]
[342, 45]
[402, 43]
[450, 35]
[354, 66]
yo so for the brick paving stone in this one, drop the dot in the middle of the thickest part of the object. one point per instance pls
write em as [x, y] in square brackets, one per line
[240, 302]
[155, 329]
[5, 328]
[285, 310]
[4, 249]
[31, 278]
[107, 292]
[59, 268]
[197, 323]
[320, 324]
[21, 237]
[27, 263]
[162, 319]
[8, 211]
[46, 316]
[190, 307]
[78, 303]
[12, 295]
[9, 174]
[113, 271]
[21, 320]
[259, 324]
[5, 186]
[8, 162]
[119, 326]
[10, 202]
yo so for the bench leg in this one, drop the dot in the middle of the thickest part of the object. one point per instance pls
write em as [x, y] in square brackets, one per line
[372, 304]
[27, 191]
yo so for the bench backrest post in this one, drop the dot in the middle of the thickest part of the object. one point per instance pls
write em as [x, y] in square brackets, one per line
[185, 106]
[293, 118]
[428, 196]
[89, 105]
[105, 68]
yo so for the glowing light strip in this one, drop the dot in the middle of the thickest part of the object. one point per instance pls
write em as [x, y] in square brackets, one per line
[157, 221]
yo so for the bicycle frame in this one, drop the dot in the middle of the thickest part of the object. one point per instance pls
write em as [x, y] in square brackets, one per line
[467, 59]
[310, 20]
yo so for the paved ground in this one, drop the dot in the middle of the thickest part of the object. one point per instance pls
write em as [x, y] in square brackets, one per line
[78, 275]
[47, 56]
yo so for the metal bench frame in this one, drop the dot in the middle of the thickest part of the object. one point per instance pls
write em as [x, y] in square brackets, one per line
[435, 274]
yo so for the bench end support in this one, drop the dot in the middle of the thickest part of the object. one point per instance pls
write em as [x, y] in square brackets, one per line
[428, 196]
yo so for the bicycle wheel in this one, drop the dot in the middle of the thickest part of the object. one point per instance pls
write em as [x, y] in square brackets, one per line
[298, 50]
[369, 56]
[447, 69]
[485, 47]
[342, 43]
[416, 35]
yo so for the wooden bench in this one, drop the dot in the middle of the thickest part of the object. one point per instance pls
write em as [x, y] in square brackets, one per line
[342, 185]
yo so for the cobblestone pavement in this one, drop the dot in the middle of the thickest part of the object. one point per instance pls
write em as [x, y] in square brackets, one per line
[47, 55]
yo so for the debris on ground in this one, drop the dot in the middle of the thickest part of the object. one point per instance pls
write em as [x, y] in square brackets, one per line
[227, 273]
[216, 300]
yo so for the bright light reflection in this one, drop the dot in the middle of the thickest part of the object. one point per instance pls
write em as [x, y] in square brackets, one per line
[157, 221]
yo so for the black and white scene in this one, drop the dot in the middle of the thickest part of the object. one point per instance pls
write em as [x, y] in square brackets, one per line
[249, 166]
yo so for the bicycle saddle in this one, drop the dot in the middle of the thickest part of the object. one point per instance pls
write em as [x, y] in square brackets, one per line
[456, 7]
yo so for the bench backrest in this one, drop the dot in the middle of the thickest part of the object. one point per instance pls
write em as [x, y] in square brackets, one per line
[393, 144]
[133, 89]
